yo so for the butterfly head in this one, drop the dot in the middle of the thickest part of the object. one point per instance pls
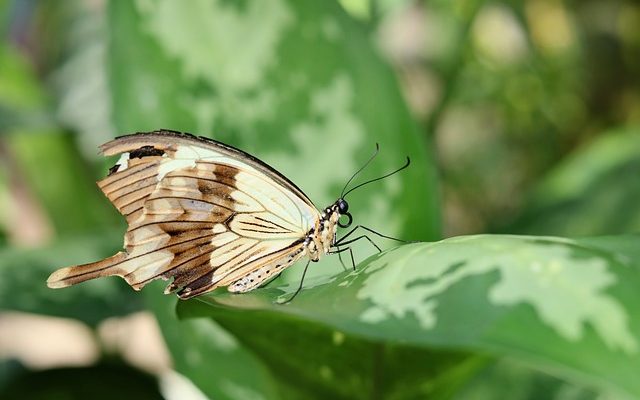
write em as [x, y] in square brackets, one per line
[340, 208]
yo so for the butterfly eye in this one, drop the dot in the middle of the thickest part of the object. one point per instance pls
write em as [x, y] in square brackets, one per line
[343, 206]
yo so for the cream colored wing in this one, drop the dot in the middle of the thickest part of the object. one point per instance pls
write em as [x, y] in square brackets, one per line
[199, 212]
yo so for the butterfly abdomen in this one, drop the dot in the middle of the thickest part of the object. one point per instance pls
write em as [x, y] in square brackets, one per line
[265, 273]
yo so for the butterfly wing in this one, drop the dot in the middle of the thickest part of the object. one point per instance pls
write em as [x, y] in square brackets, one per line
[200, 212]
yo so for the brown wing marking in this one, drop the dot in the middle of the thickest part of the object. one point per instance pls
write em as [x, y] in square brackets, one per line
[128, 189]
[145, 262]
[168, 141]
[288, 254]
[179, 210]
[68, 276]
[172, 234]
[184, 274]
[239, 268]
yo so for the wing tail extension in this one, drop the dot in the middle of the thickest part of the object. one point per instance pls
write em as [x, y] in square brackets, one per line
[79, 273]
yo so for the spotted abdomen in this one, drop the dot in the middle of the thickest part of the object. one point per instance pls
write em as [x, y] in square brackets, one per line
[265, 273]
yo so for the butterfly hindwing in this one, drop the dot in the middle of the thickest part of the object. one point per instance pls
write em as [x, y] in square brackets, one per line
[200, 213]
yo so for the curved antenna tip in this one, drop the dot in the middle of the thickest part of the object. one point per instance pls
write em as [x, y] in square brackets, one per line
[343, 195]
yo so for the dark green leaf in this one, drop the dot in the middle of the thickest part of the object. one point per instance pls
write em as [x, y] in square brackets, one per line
[23, 276]
[312, 360]
[97, 382]
[210, 356]
[515, 381]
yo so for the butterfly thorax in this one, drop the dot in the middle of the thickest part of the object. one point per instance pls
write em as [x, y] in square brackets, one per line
[322, 236]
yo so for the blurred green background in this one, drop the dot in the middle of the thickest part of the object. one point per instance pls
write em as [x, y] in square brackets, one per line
[520, 116]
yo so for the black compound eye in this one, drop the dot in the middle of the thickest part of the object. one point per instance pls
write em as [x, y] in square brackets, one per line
[343, 206]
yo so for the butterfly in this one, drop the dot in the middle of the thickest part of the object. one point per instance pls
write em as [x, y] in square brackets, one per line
[206, 215]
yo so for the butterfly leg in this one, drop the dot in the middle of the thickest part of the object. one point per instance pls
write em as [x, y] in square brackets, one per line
[340, 241]
[304, 273]
[339, 252]
[341, 262]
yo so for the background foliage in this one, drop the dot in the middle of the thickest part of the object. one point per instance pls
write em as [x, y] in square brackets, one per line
[520, 117]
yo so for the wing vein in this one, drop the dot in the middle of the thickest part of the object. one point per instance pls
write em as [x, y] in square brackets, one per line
[272, 223]
[132, 170]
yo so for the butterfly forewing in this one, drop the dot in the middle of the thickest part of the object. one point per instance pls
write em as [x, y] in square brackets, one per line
[200, 213]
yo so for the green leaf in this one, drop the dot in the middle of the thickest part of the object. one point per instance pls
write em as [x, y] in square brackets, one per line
[563, 306]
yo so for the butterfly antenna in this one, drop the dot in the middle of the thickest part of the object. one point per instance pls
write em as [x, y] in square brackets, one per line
[379, 178]
[375, 153]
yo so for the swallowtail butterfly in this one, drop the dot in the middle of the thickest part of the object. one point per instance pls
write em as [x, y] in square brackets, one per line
[206, 215]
